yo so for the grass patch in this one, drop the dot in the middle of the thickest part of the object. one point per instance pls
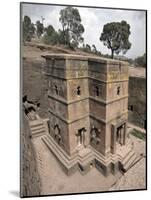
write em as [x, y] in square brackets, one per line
[138, 134]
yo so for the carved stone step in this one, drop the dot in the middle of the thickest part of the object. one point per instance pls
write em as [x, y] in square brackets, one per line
[37, 135]
[56, 151]
[129, 163]
[128, 156]
[35, 123]
[37, 127]
[38, 132]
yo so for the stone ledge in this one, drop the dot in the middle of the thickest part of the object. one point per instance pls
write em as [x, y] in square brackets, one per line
[84, 58]
[66, 120]
[86, 77]
[70, 163]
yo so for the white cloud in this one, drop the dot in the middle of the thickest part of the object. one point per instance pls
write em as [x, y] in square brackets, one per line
[93, 20]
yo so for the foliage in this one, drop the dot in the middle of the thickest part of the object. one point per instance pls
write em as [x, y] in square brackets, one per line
[141, 60]
[87, 48]
[50, 35]
[138, 134]
[72, 29]
[61, 38]
[32, 29]
[115, 36]
[130, 60]
[39, 28]
[28, 29]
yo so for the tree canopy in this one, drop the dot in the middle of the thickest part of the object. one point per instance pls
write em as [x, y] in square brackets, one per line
[71, 26]
[50, 35]
[141, 61]
[40, 28]
[115, 36]
[28, 29]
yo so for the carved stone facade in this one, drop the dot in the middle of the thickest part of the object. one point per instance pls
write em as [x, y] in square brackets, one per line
[88, 99]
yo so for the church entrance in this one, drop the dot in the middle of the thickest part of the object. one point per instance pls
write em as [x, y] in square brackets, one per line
[120, 135]
[81, 137]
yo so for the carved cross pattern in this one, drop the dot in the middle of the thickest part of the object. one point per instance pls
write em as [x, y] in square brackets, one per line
[57, 133]
[97, 90]
[95, 135]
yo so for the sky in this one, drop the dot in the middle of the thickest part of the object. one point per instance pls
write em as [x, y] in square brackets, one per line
[93, 20]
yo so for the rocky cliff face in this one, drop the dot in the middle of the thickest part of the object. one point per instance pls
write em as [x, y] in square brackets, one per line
[30, 180]
[137, 101]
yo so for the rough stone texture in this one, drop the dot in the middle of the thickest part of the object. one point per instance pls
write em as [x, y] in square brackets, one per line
[30, 180]
[33, 79]
[34, 84]
[134, 178]
[137, 101]
[92, 88]
[137, 72]
[53, 121]
[55, 181]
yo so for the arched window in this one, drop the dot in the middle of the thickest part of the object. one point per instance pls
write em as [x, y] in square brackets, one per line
[118, 90]
[130, 107]
[97, 91]
[78, 90]
[56, 130]
[95, 138]
[56, 90]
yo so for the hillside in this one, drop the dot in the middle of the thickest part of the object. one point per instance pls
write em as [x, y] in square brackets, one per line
[33, 80]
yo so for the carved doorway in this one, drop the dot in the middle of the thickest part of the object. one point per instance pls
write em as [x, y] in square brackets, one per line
[81, 137]
[120, 135]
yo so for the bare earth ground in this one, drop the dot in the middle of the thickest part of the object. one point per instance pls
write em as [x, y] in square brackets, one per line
[55, 181]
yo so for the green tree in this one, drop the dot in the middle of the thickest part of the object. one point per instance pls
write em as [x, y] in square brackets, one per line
[50, 30]
[141, 60]
[50, 36]
[39, 28]
[28, 29]
[32, 29]
[71, 26]
[61, 38]
[115, 36]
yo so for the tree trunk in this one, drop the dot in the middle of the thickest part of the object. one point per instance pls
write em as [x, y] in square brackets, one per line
[112, 53]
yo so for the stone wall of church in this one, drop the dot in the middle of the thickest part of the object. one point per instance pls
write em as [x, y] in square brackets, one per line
[90, 93]
[74, 129]
[59, 131]
[97, 135]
